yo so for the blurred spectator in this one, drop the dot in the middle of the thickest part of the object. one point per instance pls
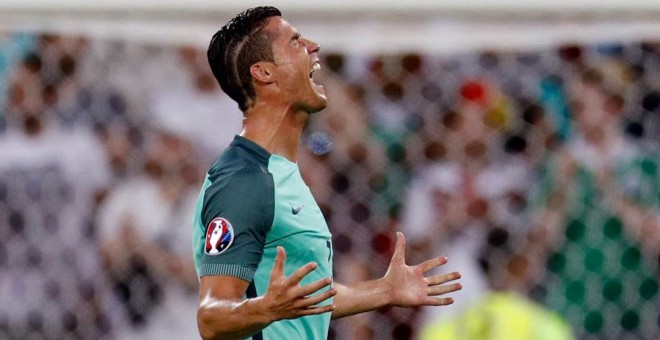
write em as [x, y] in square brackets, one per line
[601, 222]
[454, 200]
[194, 106]
[13, 47]
[385, 97]
[51, 179]
[502, 313]
[339, 139]
[88, 103]
[146, 241]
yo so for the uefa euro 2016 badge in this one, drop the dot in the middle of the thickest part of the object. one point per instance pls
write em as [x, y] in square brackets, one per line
[219, 236]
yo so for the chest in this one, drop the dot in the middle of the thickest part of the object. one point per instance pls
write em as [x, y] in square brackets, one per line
[296, 211]
[298, 224]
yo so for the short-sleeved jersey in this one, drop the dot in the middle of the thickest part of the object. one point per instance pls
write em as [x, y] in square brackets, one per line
[250, 203]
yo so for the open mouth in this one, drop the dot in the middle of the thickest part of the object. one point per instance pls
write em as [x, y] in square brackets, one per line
[315, 67]
[317, 87]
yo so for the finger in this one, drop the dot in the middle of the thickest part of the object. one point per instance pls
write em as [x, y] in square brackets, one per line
[300, 273]
[316, 310]
[442, 278]
[432, 263]
[316, 299]
[440, 290]
[313, 287]
[434, 301]
[399, 249]
[280, 258]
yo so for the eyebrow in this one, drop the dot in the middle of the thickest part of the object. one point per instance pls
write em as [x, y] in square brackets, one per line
[295, 36]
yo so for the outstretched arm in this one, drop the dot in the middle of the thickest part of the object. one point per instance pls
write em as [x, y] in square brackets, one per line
[401, 286]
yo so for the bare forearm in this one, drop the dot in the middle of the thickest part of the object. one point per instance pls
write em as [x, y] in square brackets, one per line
[227, 319]
[223, 314]
[361, 297]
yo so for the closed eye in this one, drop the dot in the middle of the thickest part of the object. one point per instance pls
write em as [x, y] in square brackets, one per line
[295, 39]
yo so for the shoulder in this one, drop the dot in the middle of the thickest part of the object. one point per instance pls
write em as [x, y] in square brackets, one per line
[238, 171]
[239, 182]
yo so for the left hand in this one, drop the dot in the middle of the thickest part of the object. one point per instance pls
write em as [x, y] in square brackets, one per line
[409, 286]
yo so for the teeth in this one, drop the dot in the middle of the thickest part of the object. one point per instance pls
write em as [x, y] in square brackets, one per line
[315, 67]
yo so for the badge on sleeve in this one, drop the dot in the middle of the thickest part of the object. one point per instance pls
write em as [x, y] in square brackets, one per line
[219, 236]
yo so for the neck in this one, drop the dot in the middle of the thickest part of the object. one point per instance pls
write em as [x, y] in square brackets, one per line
[277, 129]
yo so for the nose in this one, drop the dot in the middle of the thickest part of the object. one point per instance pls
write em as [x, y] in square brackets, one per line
[312, 47]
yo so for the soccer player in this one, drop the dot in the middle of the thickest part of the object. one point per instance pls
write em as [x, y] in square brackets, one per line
[262, 248]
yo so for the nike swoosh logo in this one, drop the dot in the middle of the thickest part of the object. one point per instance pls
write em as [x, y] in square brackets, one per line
[295, 211]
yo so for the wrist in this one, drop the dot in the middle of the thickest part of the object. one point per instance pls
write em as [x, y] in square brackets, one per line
[259, 311]
[386, 289]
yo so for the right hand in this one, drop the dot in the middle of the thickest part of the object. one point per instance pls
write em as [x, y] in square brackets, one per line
[286, 299]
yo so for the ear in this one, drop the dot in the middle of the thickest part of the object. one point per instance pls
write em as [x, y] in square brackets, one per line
[262, 72]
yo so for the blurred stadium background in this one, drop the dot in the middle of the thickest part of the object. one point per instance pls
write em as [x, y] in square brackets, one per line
[520, 139]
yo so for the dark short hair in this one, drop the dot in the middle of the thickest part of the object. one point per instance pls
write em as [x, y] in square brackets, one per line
[237, 46]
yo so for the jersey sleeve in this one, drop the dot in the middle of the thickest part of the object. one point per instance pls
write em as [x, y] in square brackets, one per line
[237, 214]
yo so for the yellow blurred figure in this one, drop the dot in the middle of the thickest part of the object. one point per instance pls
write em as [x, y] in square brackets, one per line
[501, 316]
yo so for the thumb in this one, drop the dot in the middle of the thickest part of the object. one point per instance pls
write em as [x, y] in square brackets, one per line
[399, 249]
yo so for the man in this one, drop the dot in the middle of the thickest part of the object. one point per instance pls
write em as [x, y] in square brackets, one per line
[254, 207]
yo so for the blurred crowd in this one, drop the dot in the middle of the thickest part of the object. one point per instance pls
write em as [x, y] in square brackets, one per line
[534, 172]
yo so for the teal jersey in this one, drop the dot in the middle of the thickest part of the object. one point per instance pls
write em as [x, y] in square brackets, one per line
[251, 202]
